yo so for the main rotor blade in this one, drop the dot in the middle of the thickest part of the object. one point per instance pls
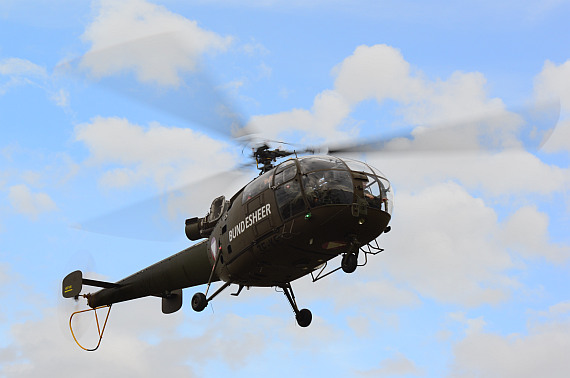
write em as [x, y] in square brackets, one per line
[161, 218]
[528, 129]
[183, 89]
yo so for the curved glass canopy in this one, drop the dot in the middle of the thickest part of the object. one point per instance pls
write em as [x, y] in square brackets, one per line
[315, 181]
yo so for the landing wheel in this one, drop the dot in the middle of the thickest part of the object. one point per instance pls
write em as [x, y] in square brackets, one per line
[199, 302]
[349, 262]
[304, 317]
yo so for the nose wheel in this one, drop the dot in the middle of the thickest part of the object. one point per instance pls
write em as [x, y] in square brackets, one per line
[303, 316]
[349, 262]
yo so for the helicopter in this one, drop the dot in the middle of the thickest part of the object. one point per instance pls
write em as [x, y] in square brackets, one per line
[286, 223]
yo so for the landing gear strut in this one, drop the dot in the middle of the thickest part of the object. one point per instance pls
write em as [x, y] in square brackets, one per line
[350, 259]
[303, 316]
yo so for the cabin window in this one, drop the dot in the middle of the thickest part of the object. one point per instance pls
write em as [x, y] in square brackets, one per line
[316, 163]
[290, 199]
[358, 166]
[285, 172]
[257, 186]
[377, 189]
[328, 187]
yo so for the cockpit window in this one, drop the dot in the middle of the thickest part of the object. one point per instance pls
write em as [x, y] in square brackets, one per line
[316, 163]
[358, 166]
[257, 186]
[377, 189]
[285, 172]
[290, 199]
[288, 192]
[328, 187]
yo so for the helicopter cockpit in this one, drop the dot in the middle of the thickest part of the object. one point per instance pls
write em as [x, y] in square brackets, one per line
[316, 181]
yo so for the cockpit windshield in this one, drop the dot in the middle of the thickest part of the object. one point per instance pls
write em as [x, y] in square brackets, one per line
[377, 189]
[308, 182]
[328, 187]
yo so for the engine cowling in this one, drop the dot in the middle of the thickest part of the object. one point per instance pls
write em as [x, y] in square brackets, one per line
[193, 228]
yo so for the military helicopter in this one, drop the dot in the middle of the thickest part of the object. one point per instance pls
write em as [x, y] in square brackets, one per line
[286, 223]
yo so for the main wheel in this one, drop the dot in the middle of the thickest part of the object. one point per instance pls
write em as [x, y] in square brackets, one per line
[199, 302]
[349, 262]
[304, 317]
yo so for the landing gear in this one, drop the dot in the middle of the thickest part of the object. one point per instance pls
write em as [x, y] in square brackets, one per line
[199, 302]
[304, 316]
[349, 262]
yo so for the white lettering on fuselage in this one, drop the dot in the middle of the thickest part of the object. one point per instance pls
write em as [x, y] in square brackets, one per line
[250, 220]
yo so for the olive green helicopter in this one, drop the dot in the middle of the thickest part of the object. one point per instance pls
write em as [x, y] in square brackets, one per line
[286, 223]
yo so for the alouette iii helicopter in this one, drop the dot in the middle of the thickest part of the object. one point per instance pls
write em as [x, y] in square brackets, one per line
[288, 222]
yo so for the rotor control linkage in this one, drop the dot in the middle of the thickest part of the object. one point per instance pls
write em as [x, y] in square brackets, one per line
[303, 316]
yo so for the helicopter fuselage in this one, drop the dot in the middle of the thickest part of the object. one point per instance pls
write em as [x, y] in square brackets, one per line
[295, 217]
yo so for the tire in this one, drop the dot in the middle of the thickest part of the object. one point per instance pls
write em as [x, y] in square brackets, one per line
[199, 302]
[304, 318]
[349, 262]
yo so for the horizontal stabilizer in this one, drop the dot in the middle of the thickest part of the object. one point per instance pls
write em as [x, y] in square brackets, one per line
[103, 284]
[74, 281]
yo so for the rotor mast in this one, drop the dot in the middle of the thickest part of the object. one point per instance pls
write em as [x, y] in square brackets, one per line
[264, 157]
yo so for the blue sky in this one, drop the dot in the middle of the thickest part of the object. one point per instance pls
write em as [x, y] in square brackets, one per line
[474, 279]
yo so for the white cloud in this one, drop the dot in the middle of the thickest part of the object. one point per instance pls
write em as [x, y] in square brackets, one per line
[167, 155]
[4, 275]
[24, 72]
[156, 44]
[554, 82]
[19, 72]
[451, 252]
[24, 201]
[327, 114]
[396, 365]
[540, 352]
[527, 231]
[559, 140]
[144, 338]
[509, 173]
[380, 72]
[40, 347]
[20, 67]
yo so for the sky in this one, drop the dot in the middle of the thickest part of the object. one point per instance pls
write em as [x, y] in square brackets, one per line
[106, 105]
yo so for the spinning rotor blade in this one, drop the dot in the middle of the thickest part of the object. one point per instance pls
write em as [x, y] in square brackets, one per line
[161, 218]
[529, 130]
[181, 88]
